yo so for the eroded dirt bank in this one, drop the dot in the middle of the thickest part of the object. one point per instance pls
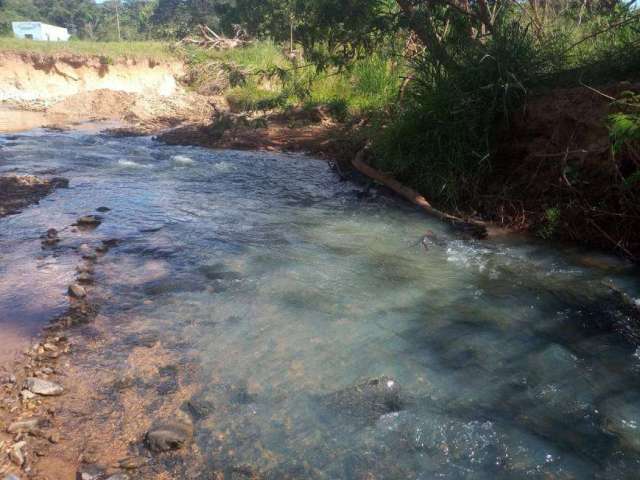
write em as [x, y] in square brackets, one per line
[64, 90]
[20, 191]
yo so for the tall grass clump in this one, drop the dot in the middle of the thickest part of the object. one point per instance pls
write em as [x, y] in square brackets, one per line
[368, 87]
[441, 141]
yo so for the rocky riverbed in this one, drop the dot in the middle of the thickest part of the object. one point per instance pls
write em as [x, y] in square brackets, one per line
[308, 331]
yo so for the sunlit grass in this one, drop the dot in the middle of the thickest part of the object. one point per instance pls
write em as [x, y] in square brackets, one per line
[112, 50]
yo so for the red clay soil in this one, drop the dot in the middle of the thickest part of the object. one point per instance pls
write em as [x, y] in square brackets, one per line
[557, 155]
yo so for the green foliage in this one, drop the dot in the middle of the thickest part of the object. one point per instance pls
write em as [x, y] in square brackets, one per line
[551, 223]
[441, 143]
[624, 126]
[107, 50]
[252, 98]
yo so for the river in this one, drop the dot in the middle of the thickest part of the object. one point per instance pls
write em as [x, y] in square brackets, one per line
[279, 285]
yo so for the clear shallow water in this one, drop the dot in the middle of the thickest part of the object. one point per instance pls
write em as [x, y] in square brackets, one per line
[286, 286]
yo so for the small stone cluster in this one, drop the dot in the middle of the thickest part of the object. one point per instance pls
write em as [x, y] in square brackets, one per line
[25, 393]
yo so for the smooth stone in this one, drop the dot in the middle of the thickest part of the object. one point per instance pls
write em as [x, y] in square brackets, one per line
[172, 434]
[132, 463]
[84, 249]
[27, 395]
[50, 241]
[89, 475]
[85, 277]
[24, 426]
[77, 291]
[92, 257]
[11, 476]
[119, 476]
[43, 387]
[16, 455]
[85, 268]
[89, 220]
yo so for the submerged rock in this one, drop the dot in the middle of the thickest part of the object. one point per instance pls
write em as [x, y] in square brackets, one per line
[85, 278]
[103, 209]
[43, 387]
[132, 463]
[171, 434]
[25, 426]
[89, 221]
[199, 408]
[369, 399]
[622, 418]
[219, 271]
[16, 454]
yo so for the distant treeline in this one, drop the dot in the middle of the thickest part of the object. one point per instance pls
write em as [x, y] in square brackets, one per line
[138, 19]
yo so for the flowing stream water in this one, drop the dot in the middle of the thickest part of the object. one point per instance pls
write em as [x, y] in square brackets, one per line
[291, 290]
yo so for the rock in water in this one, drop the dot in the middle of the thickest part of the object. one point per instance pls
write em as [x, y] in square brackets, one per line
[25, 426]
[172, 434]
[132, 463]
[85, 278]
[367, 400]
[43, 387]
[16, 455]
[89, 221]
[77, 291]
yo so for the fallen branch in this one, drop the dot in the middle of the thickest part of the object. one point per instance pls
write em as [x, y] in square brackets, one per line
[210, 39]
[474, 228]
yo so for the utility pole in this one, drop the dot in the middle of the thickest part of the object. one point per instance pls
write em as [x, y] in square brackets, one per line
[117, 2]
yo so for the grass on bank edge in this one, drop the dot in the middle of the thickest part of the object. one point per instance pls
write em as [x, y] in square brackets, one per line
[151, 50]
[262, 78]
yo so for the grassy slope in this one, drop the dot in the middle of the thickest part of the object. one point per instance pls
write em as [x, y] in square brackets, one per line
[113, 50]
[271, 81]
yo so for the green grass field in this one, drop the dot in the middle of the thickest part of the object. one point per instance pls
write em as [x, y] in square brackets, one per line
[113, 50]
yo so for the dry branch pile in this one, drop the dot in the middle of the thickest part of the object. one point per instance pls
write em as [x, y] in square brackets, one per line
[211, 40]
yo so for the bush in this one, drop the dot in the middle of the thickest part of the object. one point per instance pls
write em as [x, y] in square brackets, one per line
[441, 142]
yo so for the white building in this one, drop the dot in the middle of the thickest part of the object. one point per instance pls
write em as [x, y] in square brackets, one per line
[40, 31]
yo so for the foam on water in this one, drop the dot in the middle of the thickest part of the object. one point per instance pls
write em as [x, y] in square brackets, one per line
[132, 164]
[288, 288]
[182, 160]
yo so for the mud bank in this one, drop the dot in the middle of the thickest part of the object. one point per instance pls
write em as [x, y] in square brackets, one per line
[20, 191]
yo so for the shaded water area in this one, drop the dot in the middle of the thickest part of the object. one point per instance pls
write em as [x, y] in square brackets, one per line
[321, 339]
